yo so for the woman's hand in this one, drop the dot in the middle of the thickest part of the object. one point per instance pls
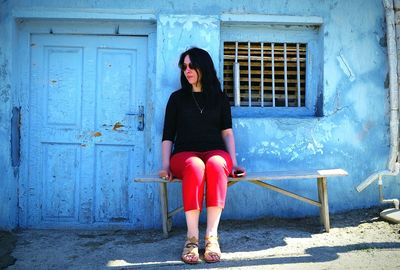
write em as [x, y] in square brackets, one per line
[165, 174]
[228, 137]
[238, 171]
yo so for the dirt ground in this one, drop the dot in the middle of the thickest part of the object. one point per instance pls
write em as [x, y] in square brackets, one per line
[358, 240]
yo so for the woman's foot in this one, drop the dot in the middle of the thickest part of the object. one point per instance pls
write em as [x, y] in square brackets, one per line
[212, 252]
[190, 253]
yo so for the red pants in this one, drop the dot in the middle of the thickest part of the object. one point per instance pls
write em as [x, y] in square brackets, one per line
[197, 168]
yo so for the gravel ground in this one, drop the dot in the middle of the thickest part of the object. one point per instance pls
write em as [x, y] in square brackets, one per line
[358, 240]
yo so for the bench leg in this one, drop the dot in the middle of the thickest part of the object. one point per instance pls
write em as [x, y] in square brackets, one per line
[166, 224]
[323, 199]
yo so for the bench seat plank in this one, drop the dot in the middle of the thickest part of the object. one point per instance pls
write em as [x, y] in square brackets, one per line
[263, 176]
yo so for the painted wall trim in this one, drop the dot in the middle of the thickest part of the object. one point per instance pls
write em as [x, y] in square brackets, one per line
[73, 13]
[271, 19]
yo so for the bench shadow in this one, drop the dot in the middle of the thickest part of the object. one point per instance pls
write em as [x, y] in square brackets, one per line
[312, 255]
[264, 234]
[270, 232]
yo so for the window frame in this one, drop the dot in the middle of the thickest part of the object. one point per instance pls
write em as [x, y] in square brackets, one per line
[281, 33]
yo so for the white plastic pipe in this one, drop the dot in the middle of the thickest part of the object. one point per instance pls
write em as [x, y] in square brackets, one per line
[382, 199]
[377, 175]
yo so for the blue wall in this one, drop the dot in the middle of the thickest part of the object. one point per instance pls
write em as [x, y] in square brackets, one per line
[8, 180]
[351, 134]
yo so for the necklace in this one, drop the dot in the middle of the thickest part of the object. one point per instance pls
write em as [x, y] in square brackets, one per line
[197, 104]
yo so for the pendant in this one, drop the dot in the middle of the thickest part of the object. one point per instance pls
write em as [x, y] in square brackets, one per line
[197, 104]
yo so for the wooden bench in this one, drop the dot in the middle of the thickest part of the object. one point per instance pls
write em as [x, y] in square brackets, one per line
[258, 179]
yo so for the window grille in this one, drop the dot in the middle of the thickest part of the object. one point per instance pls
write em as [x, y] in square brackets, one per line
[265, 74]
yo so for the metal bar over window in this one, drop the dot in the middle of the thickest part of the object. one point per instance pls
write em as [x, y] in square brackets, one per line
[273, 73]
[249, 70]
[262, 74]
[285, 74]
[298, 75]
[236, 78]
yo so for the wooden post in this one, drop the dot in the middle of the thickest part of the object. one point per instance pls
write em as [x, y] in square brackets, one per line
[323, 198]
[164, 207]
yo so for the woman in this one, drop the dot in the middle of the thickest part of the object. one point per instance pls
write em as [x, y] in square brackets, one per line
[198, 133]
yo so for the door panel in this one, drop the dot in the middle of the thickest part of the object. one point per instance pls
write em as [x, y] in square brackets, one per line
[85, 145]
[60, 182]
[115, 72]
[63, 73]
[113, 204]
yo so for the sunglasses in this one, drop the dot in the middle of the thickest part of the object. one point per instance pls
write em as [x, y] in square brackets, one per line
[190, 65]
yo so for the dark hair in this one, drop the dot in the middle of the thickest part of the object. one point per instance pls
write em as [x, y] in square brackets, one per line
[201, 60]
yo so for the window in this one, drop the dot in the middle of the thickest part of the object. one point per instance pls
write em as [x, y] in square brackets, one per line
[265, 74]
[272, 69]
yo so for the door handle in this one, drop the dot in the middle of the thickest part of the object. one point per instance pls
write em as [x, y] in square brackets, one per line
[140, 115]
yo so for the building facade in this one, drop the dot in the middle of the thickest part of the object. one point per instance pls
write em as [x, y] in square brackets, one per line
[84, 84]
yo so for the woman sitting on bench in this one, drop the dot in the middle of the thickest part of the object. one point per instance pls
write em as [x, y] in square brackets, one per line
[198, 147]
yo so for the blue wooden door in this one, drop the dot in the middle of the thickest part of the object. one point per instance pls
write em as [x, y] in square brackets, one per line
[86, 130]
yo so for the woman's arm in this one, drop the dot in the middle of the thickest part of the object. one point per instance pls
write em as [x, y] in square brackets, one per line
[229, 140]
[169, 132]
[166, 148]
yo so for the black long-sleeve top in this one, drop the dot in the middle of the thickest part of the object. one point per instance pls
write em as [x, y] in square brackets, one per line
[191, 130]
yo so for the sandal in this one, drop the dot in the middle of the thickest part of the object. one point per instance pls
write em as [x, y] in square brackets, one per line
[190, 253]
[212, 252]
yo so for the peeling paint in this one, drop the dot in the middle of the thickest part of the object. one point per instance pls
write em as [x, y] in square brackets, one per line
[117, 125]
[295, 155]
[5, 93]
[97, 134]
[187, 22]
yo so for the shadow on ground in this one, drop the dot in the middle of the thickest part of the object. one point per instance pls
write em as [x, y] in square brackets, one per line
[313, 255]
[7, 245]
[267, 241]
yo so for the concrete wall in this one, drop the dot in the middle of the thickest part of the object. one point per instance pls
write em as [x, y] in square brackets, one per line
[351, 134]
